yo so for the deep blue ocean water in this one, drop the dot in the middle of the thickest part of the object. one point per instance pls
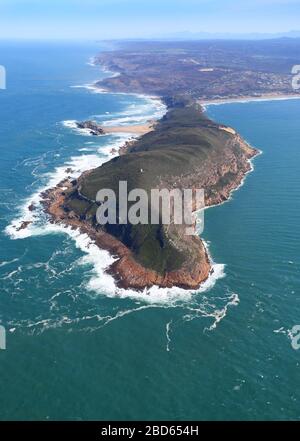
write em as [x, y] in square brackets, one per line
[78, 348]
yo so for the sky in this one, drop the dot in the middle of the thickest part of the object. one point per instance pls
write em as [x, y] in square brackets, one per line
[101, 19]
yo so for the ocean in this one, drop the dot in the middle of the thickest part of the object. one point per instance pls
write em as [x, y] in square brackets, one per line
[79, 348]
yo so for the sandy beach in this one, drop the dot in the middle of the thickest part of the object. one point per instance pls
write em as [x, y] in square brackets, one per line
[139, 129]
[243, 99]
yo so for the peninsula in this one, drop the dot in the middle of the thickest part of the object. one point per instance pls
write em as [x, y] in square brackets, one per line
[185, 149]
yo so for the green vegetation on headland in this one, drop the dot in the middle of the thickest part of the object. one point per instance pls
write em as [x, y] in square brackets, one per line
[186, 150]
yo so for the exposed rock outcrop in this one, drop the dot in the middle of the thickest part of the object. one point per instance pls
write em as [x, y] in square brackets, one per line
[93, 127]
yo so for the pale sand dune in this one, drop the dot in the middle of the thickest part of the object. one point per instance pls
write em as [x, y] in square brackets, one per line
[229, 130]
[140, 129]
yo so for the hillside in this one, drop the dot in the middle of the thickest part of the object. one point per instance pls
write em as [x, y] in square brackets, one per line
[186, 150]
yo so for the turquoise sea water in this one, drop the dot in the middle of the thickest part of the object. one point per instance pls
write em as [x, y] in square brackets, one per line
[78, 348]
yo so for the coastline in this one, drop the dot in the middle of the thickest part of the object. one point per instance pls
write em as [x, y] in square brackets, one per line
[27, 222]
[249, 99]
[114, 247]
[128, 273]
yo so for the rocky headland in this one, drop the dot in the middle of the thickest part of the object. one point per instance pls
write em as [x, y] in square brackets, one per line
[184, 150]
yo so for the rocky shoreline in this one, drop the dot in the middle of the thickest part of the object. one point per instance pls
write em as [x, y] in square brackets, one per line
[218, 177]
[95, 129]
[127, 272]
[92, 127]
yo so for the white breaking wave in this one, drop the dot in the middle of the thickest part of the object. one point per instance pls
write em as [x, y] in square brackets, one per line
[74, 168]
[8, 262]
[91, 87]
[137, 114]
[72, 124]
[92, 62]
[133, 115]
[101, 282]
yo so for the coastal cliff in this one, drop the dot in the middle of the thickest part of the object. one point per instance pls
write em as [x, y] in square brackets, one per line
[185, 150]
